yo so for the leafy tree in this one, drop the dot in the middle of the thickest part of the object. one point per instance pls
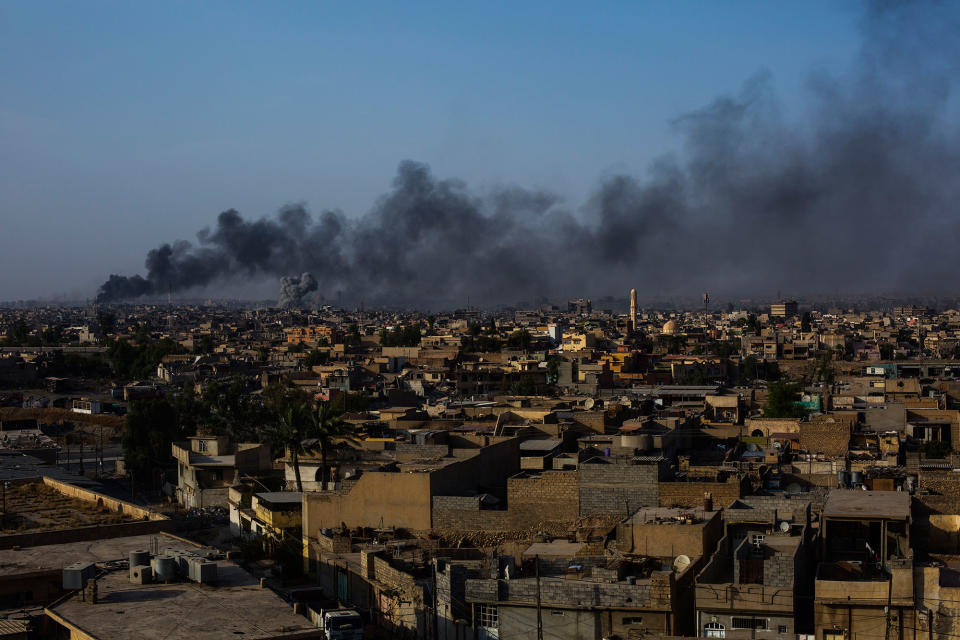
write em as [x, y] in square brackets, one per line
[694, 375]
[527, 386]
[553, 370]
[519, 339]
[131, 362]
[300, 430]
[400, 336]
[289, 433]
[353, 337]
[326, 426]
[231, 409]
[316, 357]
[150, 428]
[936, 449]
[107, 322]
[19, 335]
[886, 351]
[783, 401]
[51, 335]
[203, 345]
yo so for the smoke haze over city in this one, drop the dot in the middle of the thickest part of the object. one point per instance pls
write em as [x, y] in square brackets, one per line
[853, 191]
[753, 202]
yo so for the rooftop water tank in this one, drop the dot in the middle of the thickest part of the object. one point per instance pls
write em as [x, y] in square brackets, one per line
[164, 568]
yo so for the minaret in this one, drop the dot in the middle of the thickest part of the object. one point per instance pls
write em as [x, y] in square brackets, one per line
[633, 310]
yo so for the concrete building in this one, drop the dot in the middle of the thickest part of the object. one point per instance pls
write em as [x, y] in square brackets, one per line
[785, 309]
[864, 581]
[207, 466]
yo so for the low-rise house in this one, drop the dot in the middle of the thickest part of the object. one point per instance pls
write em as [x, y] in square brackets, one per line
[207, 466]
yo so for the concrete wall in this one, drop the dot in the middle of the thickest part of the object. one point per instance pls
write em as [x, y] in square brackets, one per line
[120, 506]
[670, 539]
[391, 499]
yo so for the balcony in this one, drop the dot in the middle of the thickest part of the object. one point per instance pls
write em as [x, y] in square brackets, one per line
[846, 582]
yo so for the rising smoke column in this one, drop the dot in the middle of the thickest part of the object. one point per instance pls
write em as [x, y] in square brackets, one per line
[294, 288]
[859, 196]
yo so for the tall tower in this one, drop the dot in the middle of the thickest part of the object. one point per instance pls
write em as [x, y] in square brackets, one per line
[633, 309]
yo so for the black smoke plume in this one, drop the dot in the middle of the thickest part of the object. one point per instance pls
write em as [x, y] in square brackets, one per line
[294, 288]
[859, 196]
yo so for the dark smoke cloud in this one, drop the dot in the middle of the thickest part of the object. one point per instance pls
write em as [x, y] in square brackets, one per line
[861, 196]
[294, 288]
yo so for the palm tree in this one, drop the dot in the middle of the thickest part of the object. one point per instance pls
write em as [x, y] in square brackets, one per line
[326, 425]
[290, 432]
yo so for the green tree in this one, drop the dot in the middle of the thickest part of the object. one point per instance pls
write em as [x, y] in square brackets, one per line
[783, 401]
[519, 339]
[149, 429]
[327, 426]
[886, 351]
[289, 433]
[553, 370]
[203, 345]
[316, 357]
[301, 430]
[527, 386]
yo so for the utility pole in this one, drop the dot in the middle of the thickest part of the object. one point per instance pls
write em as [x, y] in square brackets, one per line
[536, 560]
[886, 630]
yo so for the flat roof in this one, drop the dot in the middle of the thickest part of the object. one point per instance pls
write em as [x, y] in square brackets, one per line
[280, 497]
[854, 503]
[234, 606]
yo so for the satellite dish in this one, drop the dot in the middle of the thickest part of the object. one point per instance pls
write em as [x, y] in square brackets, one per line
[588, 403]
[784, 526]
[680, 563]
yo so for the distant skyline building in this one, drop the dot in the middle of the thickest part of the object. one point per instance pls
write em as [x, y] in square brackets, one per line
[785, 309]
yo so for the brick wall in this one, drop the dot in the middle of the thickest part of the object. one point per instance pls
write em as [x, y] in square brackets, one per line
[654, 593]
[690, 494]
[532, 500]
[822, 436]
[616, 487]
[407, 451]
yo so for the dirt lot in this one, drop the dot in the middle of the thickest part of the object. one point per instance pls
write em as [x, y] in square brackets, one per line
[36, 507]
[55, 416]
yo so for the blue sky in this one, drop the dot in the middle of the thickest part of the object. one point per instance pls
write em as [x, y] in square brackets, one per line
[124, 124]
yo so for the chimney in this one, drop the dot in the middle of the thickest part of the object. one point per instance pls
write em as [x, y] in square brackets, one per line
[633, 309]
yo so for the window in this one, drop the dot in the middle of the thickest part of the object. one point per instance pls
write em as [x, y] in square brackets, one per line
[748, 623]
[487, 616]
[714, 630]
[756, 539]
[634, 620]
[202, 446]
[782, 628]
